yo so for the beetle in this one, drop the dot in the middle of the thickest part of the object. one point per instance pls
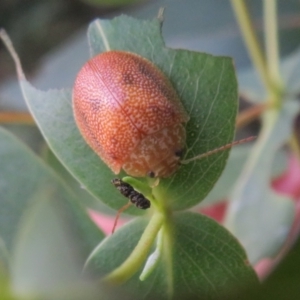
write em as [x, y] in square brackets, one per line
[130, 114]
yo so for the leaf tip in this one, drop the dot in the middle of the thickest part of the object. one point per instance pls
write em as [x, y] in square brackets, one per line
[9, 45]
[161, 14]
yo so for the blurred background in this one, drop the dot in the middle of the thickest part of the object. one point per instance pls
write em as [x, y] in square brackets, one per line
[49, 36]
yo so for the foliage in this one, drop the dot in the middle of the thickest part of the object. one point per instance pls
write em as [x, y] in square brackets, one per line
[167, 252]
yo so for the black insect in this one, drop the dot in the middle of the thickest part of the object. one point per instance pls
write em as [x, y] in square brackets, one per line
[136, 198]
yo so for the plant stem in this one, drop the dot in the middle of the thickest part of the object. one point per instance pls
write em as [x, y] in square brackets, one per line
[271, 42]
[294, 145]
[248, 115]
[154, 258]
[168, 255]
[139, 254]
[250, 38]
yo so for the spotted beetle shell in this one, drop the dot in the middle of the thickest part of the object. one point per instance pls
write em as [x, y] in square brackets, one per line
[129, 114]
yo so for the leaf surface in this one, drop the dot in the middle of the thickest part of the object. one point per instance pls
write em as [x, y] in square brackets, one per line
[258, 216]
[207, 89]
[207, 261]
[25, 182]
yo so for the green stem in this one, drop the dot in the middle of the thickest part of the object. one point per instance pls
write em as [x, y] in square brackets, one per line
[154, 258]
[272, 51]
[168, 255]
[139, 254]
[251, 41]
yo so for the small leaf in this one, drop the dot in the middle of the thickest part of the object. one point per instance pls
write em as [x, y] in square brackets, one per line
[207, 261]
[257, 216]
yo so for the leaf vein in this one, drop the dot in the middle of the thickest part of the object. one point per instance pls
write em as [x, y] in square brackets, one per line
[198, 267]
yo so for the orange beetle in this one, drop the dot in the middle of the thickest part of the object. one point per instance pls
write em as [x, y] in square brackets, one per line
[130, 114]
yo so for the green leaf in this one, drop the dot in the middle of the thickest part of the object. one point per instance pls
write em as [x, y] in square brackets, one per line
[28, 134]
[46, 234]
[53, 112]
[48, 258]
[207, 87]
[282, 283]
[257, 216]
[206, 260]
[86, 199]
[18, 185]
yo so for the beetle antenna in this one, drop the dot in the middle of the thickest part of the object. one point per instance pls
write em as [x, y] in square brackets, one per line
[222, 148]
[118, 215]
